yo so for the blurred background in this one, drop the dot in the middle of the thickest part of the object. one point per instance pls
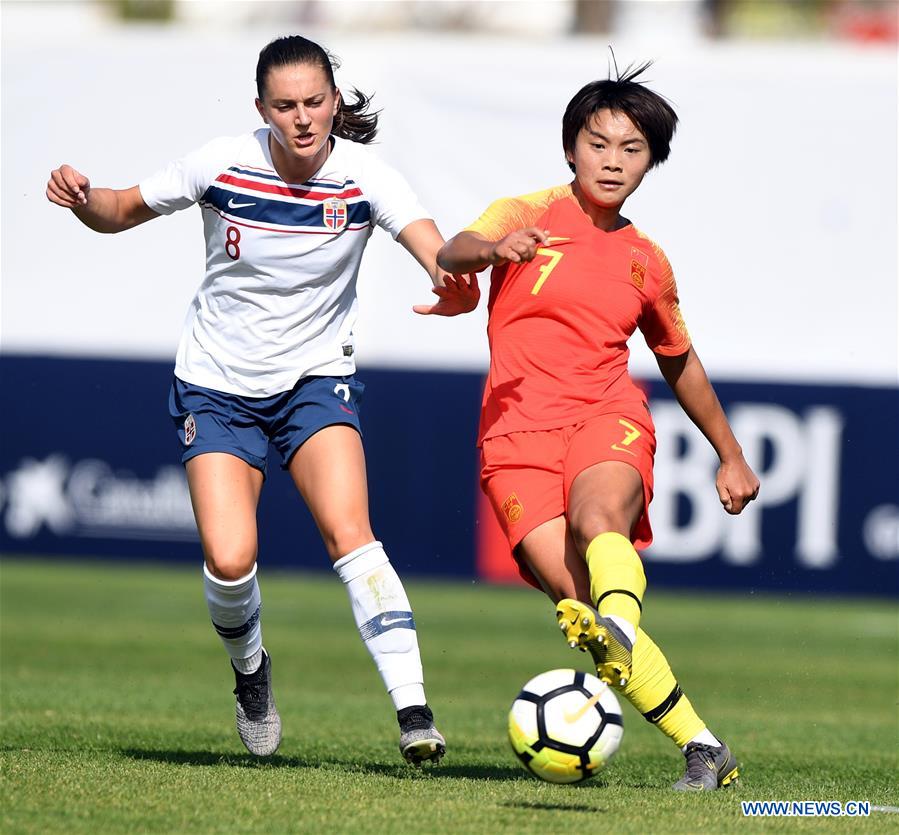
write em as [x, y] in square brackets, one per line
[777, 210]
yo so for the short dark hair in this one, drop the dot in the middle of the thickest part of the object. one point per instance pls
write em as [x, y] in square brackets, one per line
[648, 110]
[352, 120]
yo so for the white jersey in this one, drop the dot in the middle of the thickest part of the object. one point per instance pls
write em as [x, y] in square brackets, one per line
[278, 302]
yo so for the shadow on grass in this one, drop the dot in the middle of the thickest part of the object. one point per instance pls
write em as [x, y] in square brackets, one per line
[400, 770]
[554, 807]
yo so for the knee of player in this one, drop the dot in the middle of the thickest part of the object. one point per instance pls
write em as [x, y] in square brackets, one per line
[231, 561]
[345, 536]
[588, 523]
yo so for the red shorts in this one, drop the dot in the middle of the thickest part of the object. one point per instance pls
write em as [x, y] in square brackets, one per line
[527, 475]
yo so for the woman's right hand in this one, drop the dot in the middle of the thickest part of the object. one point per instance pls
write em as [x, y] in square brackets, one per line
[68, 188]
[518, 246]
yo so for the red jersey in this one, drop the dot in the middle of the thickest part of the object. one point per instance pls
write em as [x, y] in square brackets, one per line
[559, 325]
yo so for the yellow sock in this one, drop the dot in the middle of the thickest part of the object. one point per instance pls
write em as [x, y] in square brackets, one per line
[617, 581]
[653, 690]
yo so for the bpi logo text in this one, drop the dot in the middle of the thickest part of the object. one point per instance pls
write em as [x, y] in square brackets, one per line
[797, 458]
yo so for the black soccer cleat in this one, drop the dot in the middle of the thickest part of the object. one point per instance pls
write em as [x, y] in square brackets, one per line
[258, 722]
[420, 741]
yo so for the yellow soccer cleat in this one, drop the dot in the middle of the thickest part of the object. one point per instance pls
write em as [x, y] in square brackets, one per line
[587, 630]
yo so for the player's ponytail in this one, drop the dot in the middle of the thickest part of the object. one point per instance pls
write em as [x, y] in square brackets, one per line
[352, 121]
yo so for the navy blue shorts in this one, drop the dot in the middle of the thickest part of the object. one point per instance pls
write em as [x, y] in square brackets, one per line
[214, 421]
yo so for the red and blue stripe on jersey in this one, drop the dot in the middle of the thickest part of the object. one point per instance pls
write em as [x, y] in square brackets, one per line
[259, 198]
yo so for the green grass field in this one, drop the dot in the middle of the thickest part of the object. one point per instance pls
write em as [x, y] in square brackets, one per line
[117, 713]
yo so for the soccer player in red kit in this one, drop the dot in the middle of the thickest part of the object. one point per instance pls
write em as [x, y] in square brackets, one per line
[567, 439]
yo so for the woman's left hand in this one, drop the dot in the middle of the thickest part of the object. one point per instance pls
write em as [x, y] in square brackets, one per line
[737, 485]
[457, 295]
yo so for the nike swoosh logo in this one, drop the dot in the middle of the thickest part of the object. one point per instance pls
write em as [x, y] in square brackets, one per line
[388, 621]
[590, 703]
[622, 449]
[233, 205]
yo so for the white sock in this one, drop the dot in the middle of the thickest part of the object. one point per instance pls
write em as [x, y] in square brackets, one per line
[625, 626]
[248, 665]
[706, 737]
[234, 607]
[384, 617]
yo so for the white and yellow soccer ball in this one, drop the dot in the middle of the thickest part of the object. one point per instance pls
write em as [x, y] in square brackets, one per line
[565, 725]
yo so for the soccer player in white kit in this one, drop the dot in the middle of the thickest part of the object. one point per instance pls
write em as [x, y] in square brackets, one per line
[266, 357]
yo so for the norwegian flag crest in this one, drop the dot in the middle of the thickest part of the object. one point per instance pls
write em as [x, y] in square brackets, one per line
[190, 430]
[335, 214]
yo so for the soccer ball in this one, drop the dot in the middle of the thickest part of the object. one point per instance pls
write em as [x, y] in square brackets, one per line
[565, 725]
